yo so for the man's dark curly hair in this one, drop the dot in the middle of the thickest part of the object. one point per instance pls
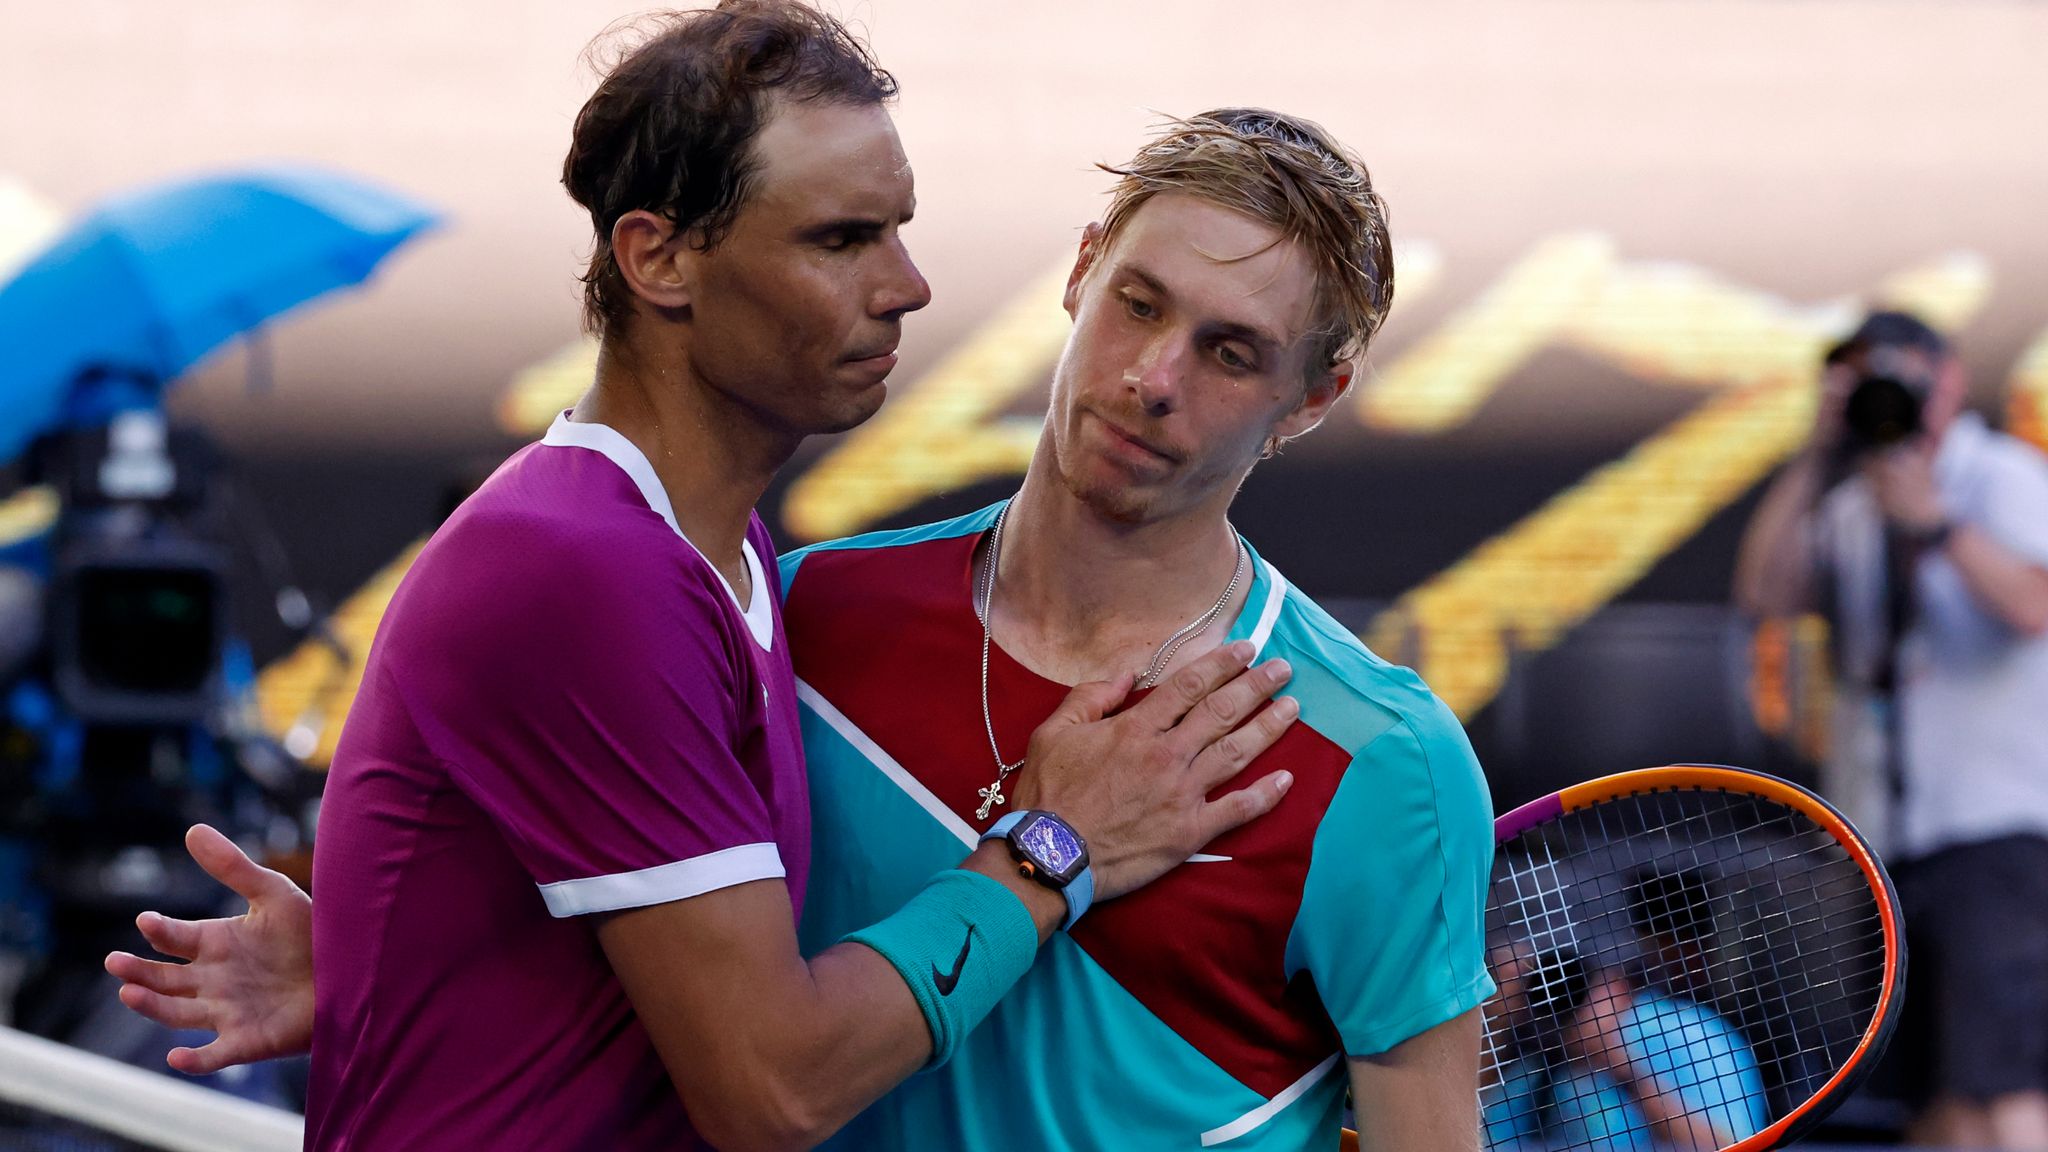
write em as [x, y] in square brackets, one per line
[671, 127]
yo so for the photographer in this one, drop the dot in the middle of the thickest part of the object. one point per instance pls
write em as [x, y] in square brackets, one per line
[1922, 535]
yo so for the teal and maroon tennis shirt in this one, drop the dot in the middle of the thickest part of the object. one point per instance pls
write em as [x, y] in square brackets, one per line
[1212, 1008]
[569, 712]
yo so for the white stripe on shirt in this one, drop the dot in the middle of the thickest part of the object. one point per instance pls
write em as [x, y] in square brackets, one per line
[662, 883]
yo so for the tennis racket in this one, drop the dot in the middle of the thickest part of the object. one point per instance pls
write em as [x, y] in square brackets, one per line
[1689, 957]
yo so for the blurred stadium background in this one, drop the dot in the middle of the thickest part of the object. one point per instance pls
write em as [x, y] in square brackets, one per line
[1625, 230]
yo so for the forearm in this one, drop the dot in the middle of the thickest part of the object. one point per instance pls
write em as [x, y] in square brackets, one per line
[785, 1053]
[1422, 1123]
[769, 1050]
[861, 1031]
[1774, 567]
[2005, 584]
[825, 1041]
[852, 1060]
[1047, 907]
[1671, 1124]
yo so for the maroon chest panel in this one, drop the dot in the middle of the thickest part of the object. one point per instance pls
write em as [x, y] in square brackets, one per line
[889, 636]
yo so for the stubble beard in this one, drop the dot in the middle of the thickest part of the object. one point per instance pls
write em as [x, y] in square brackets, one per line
[857, 412]
[1116, 503]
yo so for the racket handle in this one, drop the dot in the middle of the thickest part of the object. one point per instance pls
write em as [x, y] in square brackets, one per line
[1349, 1143]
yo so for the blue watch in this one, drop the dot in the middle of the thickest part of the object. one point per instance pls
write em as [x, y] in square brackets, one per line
[1049, 851]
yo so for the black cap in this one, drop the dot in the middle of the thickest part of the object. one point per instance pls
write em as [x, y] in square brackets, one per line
[1890, 330]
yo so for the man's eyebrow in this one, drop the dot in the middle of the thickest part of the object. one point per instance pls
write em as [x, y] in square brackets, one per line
[858, 222]
[1151, 282]
[846, 224]
[1257, 337]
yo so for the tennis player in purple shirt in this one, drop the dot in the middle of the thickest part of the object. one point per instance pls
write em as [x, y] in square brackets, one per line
[565, 835]
[571, 712]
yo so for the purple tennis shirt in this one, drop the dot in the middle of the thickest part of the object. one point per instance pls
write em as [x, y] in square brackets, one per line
[567, 711]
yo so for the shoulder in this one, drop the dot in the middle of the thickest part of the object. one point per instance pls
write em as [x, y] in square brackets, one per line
[565, 504]
[1347, 692]
[557, 539]
[2015, 462]
[2004, 489]
[1408, 763]
[853, 549]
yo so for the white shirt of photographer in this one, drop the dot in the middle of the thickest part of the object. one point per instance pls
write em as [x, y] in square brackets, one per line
[1973, 692]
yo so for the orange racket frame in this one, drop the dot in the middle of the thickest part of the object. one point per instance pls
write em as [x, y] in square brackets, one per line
[1721, 778]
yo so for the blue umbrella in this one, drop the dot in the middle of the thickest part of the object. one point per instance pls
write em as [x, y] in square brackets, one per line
[150, 282]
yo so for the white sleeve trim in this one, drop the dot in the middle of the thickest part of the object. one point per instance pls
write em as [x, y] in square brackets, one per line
[662, 883]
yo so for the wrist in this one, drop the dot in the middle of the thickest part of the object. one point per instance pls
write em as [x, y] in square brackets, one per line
[1050, 853]
[1047, 907]
[959, 945]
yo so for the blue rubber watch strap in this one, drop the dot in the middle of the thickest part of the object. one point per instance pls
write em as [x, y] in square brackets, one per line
[1079, 892]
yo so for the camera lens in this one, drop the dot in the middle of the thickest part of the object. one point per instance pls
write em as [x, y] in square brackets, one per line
[1881, 411]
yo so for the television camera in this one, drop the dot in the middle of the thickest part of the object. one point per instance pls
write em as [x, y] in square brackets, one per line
[128, 699]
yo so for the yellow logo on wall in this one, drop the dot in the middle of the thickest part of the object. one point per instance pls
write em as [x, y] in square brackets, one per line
[1752, 356]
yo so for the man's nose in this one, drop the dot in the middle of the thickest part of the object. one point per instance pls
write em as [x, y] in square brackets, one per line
[1156, 377]
[903, 288]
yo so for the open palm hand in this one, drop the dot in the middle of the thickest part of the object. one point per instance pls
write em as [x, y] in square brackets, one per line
[247, 978]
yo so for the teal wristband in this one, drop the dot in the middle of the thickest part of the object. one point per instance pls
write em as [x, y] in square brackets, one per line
[960, 944]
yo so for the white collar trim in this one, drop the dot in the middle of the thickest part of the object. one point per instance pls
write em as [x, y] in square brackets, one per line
[607, 442]
[1276, 597]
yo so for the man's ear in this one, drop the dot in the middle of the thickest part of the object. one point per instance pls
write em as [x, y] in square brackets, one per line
[1326, 389]
[1091, 247]
[654, 259]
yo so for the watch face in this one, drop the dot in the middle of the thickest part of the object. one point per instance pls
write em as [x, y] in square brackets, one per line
[1052, 843]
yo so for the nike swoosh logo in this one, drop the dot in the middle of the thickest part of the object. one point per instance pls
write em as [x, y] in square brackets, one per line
[947, 981]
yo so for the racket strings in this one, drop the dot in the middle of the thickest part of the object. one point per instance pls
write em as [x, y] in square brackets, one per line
[1678, 969]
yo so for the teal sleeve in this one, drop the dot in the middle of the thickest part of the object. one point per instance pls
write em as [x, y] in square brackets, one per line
[1392, 919]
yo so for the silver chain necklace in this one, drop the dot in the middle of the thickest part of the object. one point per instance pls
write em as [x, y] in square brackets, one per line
[992, 795]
